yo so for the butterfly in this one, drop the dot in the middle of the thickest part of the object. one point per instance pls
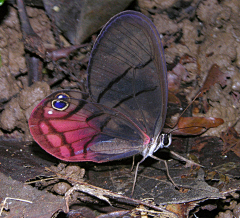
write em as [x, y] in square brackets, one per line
[124, 112]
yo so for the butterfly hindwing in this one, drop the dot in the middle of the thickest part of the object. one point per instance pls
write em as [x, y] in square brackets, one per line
[83, 131]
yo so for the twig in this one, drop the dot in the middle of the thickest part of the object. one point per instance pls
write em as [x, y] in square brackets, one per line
[16, 199]
[104, 194]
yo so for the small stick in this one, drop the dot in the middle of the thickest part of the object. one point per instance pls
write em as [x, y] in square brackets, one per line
[16, 199]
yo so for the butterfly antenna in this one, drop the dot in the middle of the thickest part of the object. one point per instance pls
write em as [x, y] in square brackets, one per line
[186, 109]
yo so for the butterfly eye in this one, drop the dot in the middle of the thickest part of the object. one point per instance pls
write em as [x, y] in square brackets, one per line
[60, 102]
[167, 139]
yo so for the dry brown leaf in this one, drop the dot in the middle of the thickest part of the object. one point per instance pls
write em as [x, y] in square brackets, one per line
[215, 75]
[196, 125]
[231, 141]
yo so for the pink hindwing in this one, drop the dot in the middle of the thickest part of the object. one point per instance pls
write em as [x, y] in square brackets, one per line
[73, 129]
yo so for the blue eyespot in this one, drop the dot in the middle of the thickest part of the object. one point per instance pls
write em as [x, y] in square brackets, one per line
[61, 102]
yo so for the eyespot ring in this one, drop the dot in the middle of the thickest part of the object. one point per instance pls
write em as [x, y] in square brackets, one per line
[60, 103]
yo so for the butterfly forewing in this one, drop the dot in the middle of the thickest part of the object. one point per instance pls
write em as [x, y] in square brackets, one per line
[127, 71]
[84, 131]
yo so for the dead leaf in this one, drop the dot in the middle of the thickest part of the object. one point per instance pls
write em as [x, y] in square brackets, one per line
[215, 75]
[187, 59]
[231, 141]
[196, 125]
[173, 99]
[175, 76]
[182, 210]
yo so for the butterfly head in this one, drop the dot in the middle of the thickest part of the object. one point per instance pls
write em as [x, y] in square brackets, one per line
[166, 139]
[163, 141]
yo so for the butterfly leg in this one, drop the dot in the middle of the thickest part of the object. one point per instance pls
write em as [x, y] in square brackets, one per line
[133, 163]
[190, 162]
[167, 170]
[135, 177]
